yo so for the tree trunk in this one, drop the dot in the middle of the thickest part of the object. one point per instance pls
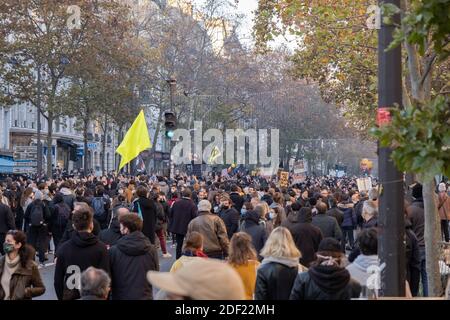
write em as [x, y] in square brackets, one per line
[431, 235]
[85, 146]
[50, 119]
[105, 130]
[119, 141]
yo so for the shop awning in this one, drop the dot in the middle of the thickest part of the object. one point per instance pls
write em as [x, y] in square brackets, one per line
[6, 166]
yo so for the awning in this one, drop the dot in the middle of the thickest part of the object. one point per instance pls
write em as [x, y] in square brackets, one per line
[67, 143]
[6, 166]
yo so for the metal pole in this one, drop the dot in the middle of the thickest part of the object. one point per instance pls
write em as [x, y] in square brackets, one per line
[39, 144]
[391, 207]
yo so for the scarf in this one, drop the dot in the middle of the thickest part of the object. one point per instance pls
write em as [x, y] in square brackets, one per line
[8, 270]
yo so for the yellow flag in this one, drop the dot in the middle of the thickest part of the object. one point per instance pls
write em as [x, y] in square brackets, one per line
[215, 153]
[135, 141]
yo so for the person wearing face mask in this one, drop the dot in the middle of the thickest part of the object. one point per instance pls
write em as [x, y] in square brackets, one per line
[82, 250]
[229, 215]
[19, 274]
[130, 259]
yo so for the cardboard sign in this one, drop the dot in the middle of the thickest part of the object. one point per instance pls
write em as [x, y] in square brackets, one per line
[284, 179]
[364, 184]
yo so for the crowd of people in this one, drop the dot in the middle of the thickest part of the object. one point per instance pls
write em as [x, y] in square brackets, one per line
[236, 238]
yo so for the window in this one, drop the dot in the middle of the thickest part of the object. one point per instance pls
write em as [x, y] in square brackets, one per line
[25, 124]
[16, 123]
[32, 125]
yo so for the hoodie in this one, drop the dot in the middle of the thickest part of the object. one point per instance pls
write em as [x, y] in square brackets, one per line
[131, 258]
[358, 269]
[68, 196]
[82, 250]
[256, 231]
[306, 236]
[330, 279]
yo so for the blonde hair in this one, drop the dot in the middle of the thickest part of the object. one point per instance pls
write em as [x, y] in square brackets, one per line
[280, 244]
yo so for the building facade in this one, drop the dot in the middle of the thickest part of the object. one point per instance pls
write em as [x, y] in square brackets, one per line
[19, 128]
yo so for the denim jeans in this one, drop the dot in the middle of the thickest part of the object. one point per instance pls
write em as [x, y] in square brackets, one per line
[423, 272]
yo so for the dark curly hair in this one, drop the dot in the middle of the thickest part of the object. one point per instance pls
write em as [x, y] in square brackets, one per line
[26, 252]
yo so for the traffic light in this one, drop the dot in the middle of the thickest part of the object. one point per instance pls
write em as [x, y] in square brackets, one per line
[170, 123]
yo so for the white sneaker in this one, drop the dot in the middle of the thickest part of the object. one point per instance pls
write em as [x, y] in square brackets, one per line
[167, 255]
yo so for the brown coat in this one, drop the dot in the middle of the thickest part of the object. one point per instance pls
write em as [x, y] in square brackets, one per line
[444, 206]
[25, 284]
[213, 230]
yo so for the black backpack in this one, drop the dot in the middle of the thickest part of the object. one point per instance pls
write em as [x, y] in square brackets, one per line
[63, 213]
[98, 204]
[37, 215]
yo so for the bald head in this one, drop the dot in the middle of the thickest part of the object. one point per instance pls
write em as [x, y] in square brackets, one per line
[122, 211]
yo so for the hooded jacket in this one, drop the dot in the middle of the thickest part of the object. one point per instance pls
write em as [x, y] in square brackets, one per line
[82, 250]
[325, 283]
[130, 260]
[256, 230]
[275, 278]
[68, 196]
[358, 269]
[306, 236]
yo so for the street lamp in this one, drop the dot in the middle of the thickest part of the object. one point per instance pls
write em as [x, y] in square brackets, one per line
[172, 83]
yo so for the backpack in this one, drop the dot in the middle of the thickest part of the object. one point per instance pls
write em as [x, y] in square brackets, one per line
[63, 212]
[98, 204]
[37, 215]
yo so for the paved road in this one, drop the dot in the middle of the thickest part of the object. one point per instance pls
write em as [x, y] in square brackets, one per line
[47, 272]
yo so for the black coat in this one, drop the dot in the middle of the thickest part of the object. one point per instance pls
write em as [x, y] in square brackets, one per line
[181, 213]
[255, 230]
[274, 281]
[416, 215]
[130, 260]
[6, 219]
[111, 235]
[67, 235]
[237, 200]
[328, 225]
[306, 236]
[325, 283]
[45, 210]
[82, 250]
[337, 214]
[231, 219]
[149, 214]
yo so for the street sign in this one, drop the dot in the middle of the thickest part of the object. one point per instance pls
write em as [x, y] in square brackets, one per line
[299, 167]
[92, 145]
[25, 153]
